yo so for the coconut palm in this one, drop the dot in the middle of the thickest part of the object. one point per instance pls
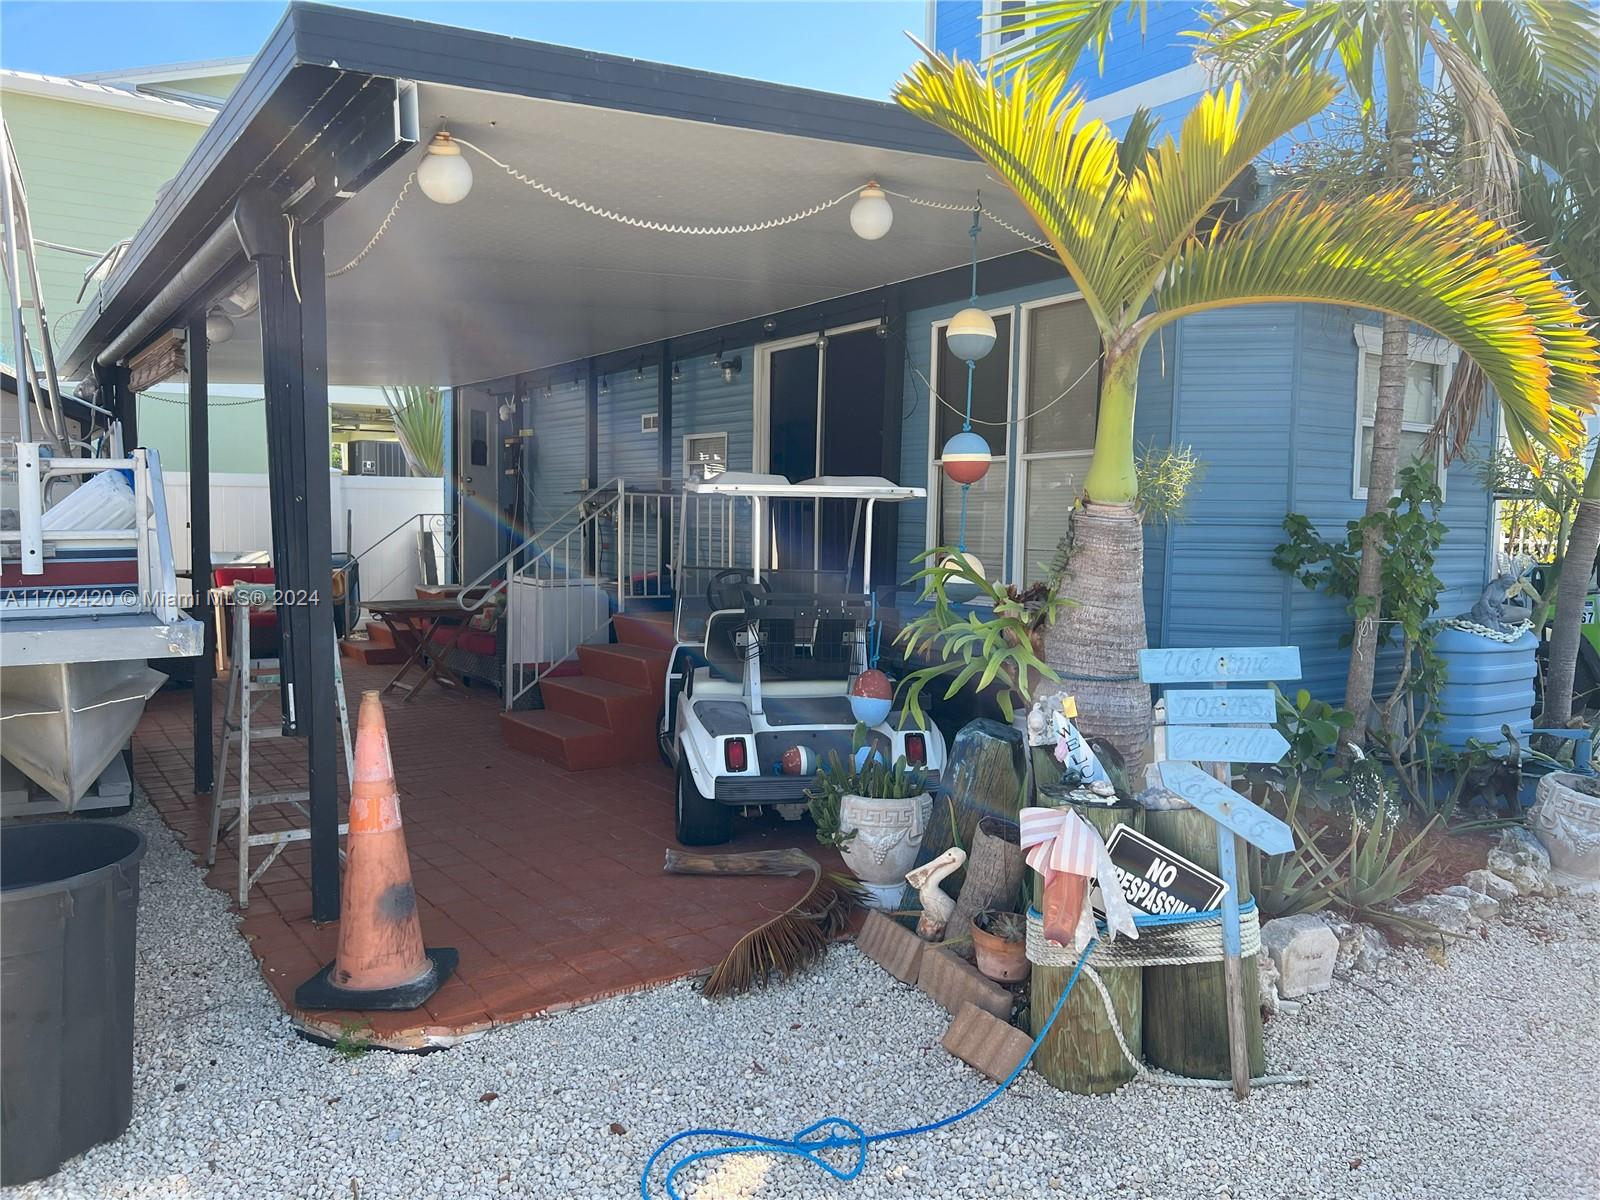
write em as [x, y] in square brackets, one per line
[1560, 205]
[1386, 48]
[1140, 236]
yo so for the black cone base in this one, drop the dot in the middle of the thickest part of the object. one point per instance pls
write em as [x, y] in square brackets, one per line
[321, 992]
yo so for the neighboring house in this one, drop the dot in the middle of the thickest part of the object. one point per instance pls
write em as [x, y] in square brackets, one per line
[96, 152]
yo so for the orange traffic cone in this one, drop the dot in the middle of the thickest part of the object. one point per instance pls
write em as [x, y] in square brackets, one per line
[381, 962]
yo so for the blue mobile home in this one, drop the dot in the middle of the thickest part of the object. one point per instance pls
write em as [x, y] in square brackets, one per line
[1270, 398]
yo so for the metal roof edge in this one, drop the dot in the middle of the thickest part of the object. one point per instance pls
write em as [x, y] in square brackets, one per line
[101, 95]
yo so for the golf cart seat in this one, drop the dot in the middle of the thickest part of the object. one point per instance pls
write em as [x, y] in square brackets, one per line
[807, 636]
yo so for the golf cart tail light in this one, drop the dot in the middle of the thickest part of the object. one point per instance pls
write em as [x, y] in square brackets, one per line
[733, 754]
[916, 749]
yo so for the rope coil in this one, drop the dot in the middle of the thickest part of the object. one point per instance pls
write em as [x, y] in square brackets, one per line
[1181, 945]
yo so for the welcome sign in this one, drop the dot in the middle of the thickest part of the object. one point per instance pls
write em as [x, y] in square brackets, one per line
[1158, 882]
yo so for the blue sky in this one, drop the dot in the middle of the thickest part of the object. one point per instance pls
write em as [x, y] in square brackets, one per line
[858, 48]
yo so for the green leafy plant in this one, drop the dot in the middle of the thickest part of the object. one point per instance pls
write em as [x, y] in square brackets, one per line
[418, 414]
[1410, 534]
[874, 779]
[1313, 728]
[994, 639]
[1295, 882]
[355, 1038]
[1167, 475]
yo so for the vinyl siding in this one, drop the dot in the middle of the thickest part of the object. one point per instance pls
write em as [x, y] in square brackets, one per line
[624, 451]
[703, 403]
[558, 451]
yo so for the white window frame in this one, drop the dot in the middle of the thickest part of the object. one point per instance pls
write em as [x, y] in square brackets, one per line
[1024, 405]
[1422, 348]
[694, 437]
[991, 21]
[935, 500]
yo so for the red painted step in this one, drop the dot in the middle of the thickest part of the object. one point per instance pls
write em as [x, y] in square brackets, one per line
[643, 667]
[644, 629]
[568, 742]
[626, 711]
[370, 654]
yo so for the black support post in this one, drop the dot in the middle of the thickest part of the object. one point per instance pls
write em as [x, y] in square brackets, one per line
[886, 523]
[126, 406]
[294, 357]
[200, 547]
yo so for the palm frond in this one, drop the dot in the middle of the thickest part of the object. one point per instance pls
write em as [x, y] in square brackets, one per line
[1442, 266]
[1061, 165]
[1057, 33]
[787, 943]
[418, 414]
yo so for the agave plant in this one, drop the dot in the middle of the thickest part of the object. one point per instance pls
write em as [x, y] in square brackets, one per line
[418, 414]
[1137, 227]
[1373, 873]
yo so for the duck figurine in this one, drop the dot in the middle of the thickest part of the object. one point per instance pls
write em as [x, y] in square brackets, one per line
[936, 906]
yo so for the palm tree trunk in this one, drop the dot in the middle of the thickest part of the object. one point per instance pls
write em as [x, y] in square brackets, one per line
[1572, 588]
[1381, 470]
[1094, 644]
[1403, 112]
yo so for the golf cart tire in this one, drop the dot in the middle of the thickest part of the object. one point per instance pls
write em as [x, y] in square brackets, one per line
[701, 821]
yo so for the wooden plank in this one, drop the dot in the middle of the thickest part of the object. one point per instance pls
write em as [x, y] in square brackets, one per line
[1216, 706]
[1228, 808]
[1219, 664]
[1243, 743]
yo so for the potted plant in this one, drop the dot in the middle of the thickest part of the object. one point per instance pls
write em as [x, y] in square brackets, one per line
[999, 939]
[876, 814]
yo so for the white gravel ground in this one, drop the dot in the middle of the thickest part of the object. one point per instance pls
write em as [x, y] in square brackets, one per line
[1475, 1079]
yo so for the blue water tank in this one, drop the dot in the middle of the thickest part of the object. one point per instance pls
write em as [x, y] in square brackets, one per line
[1488, 683]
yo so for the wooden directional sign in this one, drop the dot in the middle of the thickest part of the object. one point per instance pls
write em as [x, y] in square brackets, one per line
[1241, 664]
[1219, 706]
[1228, 808]
[1240, 743]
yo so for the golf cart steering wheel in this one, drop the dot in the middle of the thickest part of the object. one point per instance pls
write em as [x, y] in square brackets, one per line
[730, 588]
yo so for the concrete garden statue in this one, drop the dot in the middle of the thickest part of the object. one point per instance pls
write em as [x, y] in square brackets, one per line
[936, 903]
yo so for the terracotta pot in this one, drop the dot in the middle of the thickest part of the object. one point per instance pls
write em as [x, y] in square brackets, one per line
[1000, 960]
[888, 835]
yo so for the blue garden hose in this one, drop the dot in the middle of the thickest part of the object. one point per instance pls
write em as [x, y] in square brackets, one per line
[839, 1133]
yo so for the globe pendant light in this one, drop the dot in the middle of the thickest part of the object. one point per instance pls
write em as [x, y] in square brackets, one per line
[219, 327]
[444, 176]
[871, 214]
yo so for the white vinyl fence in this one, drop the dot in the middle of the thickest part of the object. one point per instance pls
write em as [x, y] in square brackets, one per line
[366, 509]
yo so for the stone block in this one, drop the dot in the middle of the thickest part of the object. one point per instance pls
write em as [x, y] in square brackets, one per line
[985, 1042]
[951, 980]
[1304, 950]
[1483, 906]
[1452, 915]
[892, 946]
[1491, 885]
[1520, 859]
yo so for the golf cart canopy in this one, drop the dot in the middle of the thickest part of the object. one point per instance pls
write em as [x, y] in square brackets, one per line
[824, 487]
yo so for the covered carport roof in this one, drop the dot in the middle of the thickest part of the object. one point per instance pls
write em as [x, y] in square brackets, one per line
[511, 279]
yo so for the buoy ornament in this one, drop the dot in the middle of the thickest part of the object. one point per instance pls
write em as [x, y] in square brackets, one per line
[798, 760]
[871, 697]
[965, 457]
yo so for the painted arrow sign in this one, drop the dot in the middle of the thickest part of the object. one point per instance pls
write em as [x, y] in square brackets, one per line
[1228, 808]
[1239, 664]
[1215, 706]
[1246, 744]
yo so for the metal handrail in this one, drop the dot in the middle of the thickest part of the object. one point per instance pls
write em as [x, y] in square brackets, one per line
[576, 511]
[416, 520]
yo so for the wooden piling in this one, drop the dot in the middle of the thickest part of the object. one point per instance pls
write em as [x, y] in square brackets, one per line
[1081, 1054]
[1186, 1023]
[981, 779]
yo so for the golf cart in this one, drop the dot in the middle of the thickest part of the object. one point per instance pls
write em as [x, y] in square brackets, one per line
[772, 623]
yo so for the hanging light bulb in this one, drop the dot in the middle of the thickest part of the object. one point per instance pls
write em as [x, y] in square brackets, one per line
[677, 372]
[871, 214]
[965, 457]
[219, 327]
[731, 367]
[605, 384]
[970, 334]
[444, 176]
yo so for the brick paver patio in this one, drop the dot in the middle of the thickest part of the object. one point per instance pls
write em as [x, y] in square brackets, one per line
[549, 883]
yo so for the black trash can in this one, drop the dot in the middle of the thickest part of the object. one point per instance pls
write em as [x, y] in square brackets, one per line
[69, 897]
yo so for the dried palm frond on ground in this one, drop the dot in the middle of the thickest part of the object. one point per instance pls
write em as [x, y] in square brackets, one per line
[790, 941]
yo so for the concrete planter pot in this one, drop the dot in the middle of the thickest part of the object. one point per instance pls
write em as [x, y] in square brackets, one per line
[888, 835]
[1566, 820]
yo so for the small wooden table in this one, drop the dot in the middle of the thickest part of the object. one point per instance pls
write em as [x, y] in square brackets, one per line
[421, 621]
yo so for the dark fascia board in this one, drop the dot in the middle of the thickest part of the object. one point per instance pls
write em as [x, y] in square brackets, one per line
[1018, 269]
[443, 54]
[316, 46]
